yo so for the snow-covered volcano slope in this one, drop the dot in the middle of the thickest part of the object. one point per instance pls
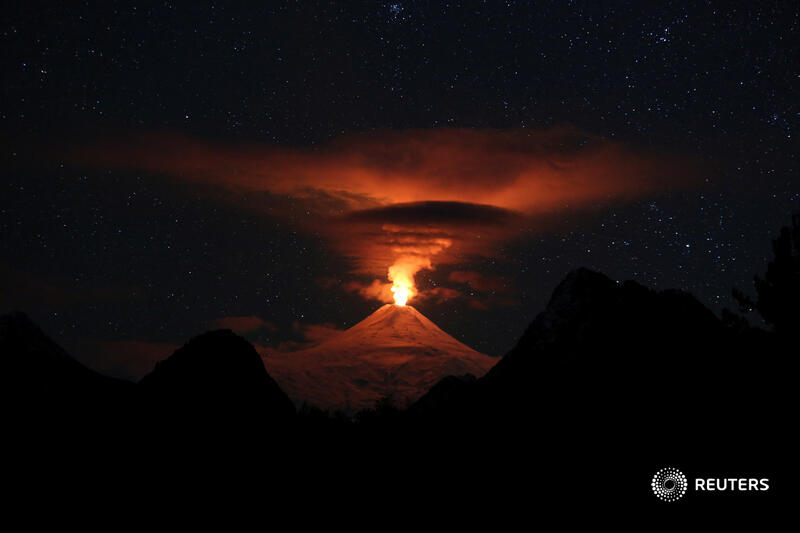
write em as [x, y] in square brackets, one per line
[395, 352]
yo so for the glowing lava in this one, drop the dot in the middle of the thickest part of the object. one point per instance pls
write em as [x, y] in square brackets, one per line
[401, 294]
[401, 274]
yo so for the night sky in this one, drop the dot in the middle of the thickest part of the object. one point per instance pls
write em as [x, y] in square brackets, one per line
[169, 168]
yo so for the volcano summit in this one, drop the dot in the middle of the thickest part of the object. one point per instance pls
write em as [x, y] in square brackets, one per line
[395, 352]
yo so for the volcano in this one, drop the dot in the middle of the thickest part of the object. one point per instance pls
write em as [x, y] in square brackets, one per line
[395, 352]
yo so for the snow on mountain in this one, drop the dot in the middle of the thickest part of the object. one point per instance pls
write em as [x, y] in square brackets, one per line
[395, 352]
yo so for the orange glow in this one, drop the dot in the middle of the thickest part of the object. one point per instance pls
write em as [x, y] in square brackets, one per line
[522, 170]
[401, 274]
[412, 198]
[401, 293]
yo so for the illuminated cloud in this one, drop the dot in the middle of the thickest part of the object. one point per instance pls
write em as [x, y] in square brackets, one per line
[243, 324]
[310, 335]
[522, 170]
[129, 359]
[441, 294]
[399, 202]
[376, 290]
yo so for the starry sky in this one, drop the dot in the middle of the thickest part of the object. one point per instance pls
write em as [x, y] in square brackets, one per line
[173, 167]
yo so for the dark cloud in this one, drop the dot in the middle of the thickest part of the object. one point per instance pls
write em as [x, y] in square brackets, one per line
[435, 213]
[25, 289]
[478, 281]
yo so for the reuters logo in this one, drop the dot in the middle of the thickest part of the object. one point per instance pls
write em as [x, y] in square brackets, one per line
[669, 484]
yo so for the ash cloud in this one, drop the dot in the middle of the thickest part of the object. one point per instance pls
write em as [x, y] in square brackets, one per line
[415, 199]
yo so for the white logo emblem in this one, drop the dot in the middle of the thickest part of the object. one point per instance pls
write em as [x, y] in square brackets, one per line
[669, 484]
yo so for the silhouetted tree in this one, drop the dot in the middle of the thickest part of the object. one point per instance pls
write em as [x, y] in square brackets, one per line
[778, 293]
[384, 411]
[733, 320]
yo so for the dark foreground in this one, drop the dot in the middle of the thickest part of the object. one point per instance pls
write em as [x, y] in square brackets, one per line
[610, 383]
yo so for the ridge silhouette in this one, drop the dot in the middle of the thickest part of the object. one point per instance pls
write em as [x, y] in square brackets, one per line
[216, 377]
[610, 382]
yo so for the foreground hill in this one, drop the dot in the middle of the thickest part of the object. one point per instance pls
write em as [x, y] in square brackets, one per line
[217, 374]
[41, 376]
[612, 381]
[214, 377]
[613, 350]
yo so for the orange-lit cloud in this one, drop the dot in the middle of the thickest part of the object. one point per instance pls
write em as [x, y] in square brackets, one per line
[124, 359]
[316, 333]
[375, 290]
[244, 324]
[521, 170]
[398, 241]
[441, 294]
[399, 202]
[311, 335]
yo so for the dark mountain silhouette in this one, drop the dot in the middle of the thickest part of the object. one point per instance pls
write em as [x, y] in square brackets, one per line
[217, 374]
[605, 345]
[42, 374]
[56, 410]
[610, 382]
[613, 380]
[215, 382]
[445, 394]
[778, 292]
[207, 410]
